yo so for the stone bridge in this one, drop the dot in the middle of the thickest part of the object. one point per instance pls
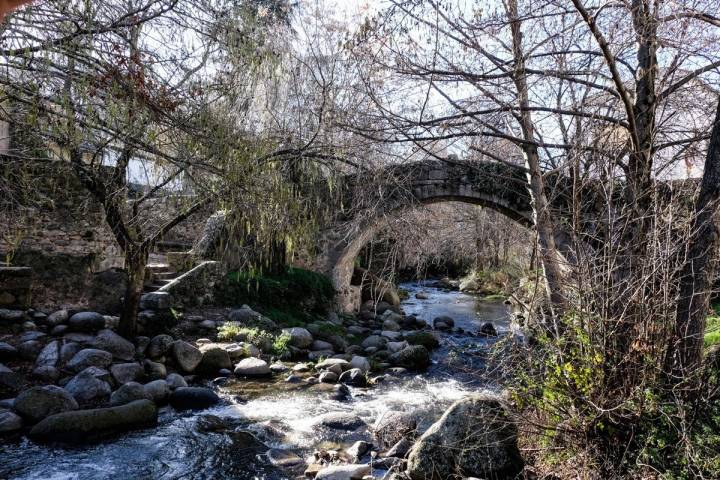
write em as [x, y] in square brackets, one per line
[494, 185]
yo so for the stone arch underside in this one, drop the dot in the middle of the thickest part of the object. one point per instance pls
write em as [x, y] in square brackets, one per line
[492, 185]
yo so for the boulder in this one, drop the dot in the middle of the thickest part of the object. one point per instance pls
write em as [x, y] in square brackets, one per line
[360, 363]
[127, 372]
[391, 427]
[157, 391]
[283, 458]
[321, 345]
[299, 337]
[110, 341]
[7, 351]
[344, 472]
[127, 393]
[11, 380]
[400, 449]
[156, 301]
[154, 370]
[159, 346]
[473, 438]
[37, 403]
[339, 421]
[175, 380]
[318, 354]
[329, 362]
[353, 377]
[86, 322]
[246, 316]
[375, 341]
[358, 449]
[87, 425]
[426, 339]
[415, 357]
[252, 367]
[390, 325]
[57, 318]
[213, 360]
[87, 388]
[193, 398]
[46, 374]
[487, 329]
[49, 356]
[68, 351]
[11, 316]
[328, 377]
[89, 357]
[443, 322]
[422, 296]
[9, 422]
[397, 346]
[29, 350]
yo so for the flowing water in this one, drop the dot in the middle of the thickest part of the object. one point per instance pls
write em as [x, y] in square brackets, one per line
[233, 439]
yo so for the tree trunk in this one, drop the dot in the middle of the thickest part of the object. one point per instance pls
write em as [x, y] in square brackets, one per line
[543, 220]
[135, 263]
[698, 272]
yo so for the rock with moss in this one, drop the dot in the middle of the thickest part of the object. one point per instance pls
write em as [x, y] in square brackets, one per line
[474, 438]
[246, 316]
[424, 338]
[414, 357]
[81, 426]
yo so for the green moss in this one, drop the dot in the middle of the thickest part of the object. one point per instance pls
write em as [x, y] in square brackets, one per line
[494, 298]
[712, 328]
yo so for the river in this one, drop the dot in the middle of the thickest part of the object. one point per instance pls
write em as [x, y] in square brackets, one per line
[232, 440]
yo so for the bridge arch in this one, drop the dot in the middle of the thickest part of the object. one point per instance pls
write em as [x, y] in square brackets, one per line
[493, 185]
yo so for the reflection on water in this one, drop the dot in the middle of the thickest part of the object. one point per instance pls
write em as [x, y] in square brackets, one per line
[182, 447]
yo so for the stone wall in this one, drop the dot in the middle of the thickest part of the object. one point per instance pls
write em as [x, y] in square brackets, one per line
[15, 286]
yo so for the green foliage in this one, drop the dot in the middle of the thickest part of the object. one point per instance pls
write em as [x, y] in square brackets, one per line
[292, 298]
[712, 328]
[280, 344]
[264, 340]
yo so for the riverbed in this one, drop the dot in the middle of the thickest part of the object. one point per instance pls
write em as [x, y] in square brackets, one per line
[233, 439]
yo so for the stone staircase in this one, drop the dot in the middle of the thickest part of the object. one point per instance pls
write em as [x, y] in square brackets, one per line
[158, 275]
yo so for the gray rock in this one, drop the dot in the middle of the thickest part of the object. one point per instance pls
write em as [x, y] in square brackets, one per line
[124, 373]
[49, 356]
[37, 403]
[29, 326]
[400, 449]
[390, 324]
[11, 380]
[187, 356]
[328, 362]
[9, 422]
[353, 377]
[7, 351]
[141, 344]
[328, 377]
[321, 345]
[474, 438]
[157, 391]
[339, 421]
[87, 425]
[299, 337]
[358, 449]
[213, 360]
[426, 339]
[375, 341]
[193, 398]
[361, 363]
[59, 330]
[154, 370]
[156, 301]
[443, 322]
[283, 458]
[278, 367]
[318, 354]
[415, 357]
[487, 329]
[175, 380]
[110, 341]
[86, 322]
[252, 367]
[159, 346]
[68, 351]
[86, 388]
[47, 373]
[127, 393]
[250, 318]
[57, 318]
[31, 335]
[391, 427]
[343, 472]
[394, 347]
[29, 350]
[12, 316]
[89, 357]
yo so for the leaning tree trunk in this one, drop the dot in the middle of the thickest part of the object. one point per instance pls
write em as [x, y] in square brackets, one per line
[698, 271]
[135, 264]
